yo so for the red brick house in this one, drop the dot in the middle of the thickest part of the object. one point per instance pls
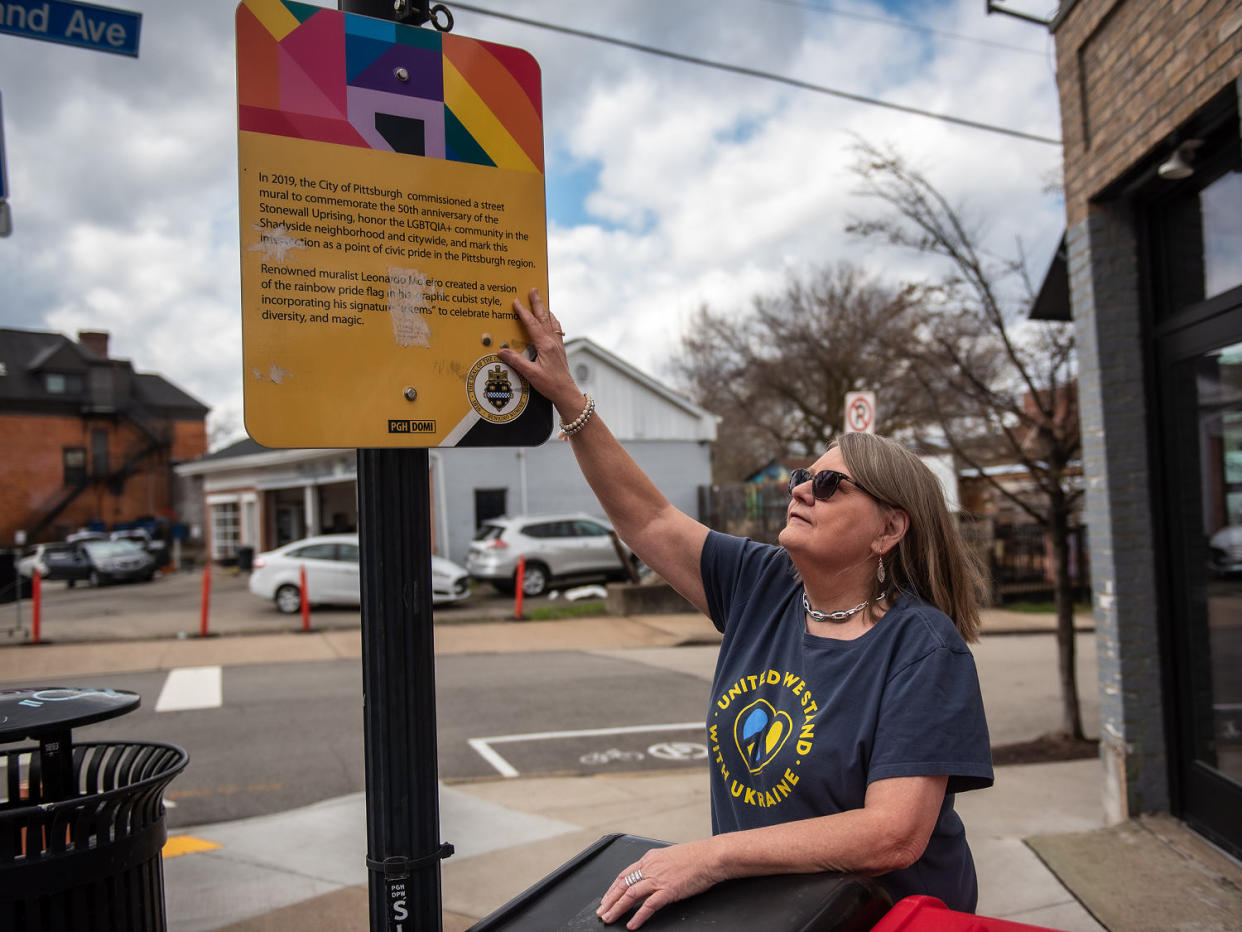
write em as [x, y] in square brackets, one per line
[85, 438]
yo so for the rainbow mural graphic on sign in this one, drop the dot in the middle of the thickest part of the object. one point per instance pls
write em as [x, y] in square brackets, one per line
[312, 73]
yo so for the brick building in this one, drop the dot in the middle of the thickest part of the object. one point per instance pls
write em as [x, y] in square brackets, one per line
[86, 439]
[1153, 185]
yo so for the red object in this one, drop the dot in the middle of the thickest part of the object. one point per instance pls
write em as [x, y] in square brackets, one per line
[36, 599]
[202, 625]
[517, 589]
[305, 599]
[928, 914]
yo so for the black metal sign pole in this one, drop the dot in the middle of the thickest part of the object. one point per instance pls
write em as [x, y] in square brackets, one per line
[398, 672]
[399, 703]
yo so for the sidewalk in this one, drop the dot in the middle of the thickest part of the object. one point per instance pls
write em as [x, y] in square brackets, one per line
[303, 869]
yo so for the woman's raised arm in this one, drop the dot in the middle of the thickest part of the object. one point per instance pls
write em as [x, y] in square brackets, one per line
[666, 539]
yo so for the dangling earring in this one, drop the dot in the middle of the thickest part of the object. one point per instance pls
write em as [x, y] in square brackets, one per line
[879, 572]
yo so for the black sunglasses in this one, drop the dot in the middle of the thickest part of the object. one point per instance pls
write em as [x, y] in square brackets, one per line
[823, 483]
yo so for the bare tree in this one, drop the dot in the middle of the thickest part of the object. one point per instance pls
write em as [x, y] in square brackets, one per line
[996, 380]
[778, 374]
[223, 427]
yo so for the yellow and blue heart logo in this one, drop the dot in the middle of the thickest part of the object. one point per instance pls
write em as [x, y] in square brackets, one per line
[760, 731]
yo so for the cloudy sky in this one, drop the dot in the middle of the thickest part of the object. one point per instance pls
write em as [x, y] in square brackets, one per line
[669, 185]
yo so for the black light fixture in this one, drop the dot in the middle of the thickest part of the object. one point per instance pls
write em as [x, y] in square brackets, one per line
[1179, 165]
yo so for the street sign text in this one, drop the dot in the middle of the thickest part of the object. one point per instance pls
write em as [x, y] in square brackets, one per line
[101, 28]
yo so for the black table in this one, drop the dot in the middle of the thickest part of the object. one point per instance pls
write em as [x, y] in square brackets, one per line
[47, 714]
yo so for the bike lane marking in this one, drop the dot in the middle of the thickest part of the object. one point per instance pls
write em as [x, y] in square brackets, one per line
[483, 746]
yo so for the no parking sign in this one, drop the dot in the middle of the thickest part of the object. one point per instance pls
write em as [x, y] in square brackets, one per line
[860, 413]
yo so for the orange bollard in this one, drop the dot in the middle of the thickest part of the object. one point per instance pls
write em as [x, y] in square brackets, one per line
[305, 600]
[36, 605]
[518, 593]
[202, 627]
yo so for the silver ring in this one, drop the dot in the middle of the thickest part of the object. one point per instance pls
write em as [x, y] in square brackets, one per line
[633, 877]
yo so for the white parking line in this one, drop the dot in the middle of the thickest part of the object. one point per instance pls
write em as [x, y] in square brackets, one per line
[483, 746]
[191, 688]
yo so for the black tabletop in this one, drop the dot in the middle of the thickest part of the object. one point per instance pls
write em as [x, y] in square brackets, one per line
[33, 713]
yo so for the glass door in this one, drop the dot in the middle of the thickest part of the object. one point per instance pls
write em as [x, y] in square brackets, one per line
[1197, 346]
[1203, 496]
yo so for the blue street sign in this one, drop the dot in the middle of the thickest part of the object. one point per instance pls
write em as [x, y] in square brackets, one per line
[101, 28]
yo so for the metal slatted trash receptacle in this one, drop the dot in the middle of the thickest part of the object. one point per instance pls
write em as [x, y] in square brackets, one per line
[82, 827]
[566, 900]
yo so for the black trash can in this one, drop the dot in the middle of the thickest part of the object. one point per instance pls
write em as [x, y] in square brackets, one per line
[90, 862]
[566, 900]
[245, 559]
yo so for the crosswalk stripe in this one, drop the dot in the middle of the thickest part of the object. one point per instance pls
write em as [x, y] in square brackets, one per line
[191, 688]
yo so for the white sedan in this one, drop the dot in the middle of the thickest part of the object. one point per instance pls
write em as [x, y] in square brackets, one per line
[331, 563]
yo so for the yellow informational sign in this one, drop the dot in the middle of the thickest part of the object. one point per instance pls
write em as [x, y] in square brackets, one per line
[392, 208]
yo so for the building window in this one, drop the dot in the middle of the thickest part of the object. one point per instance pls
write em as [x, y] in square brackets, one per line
[74, 459]
[224, 531]
[1221, 207]
[61, 383]
[1196, 228]
[99, 452]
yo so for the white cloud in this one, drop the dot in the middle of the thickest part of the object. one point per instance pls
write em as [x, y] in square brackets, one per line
[710, 186]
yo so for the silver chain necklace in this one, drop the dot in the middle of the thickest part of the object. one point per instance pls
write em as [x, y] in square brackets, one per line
[836, 616]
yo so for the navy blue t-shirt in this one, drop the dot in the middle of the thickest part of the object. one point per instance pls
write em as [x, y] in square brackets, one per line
[799, 725]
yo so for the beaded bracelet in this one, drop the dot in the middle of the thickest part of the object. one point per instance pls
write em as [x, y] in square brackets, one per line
[568, 430]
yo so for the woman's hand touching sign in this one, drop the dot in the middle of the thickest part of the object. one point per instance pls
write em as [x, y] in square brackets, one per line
[548, 372]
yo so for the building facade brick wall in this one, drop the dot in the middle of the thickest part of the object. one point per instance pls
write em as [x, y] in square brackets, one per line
[32, 476]
[1129, 72]
[1104, 293]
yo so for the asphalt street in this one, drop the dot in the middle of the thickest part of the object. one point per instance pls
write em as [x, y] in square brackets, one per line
[287, 735]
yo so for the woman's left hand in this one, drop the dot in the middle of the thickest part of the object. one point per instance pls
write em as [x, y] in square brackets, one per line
[668, 875]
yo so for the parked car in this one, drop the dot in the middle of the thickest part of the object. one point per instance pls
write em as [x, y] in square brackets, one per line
[558, 549]
[97, 561]
[117, 561]
[140, 536]
[331, 562]
[55, 561]
[1225, 549]
[84, 535]
[147, 541]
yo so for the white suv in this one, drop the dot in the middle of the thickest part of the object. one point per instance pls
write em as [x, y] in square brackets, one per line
[557, 548]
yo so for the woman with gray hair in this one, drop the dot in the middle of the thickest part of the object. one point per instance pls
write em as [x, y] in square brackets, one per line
[845, 711]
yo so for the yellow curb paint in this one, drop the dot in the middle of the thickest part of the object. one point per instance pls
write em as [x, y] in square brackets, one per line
[178, 845]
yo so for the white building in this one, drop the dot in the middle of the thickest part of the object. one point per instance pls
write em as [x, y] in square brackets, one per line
[252, 496]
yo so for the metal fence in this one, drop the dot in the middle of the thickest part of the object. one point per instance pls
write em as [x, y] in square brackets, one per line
[754, 510]
[1019, 560]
